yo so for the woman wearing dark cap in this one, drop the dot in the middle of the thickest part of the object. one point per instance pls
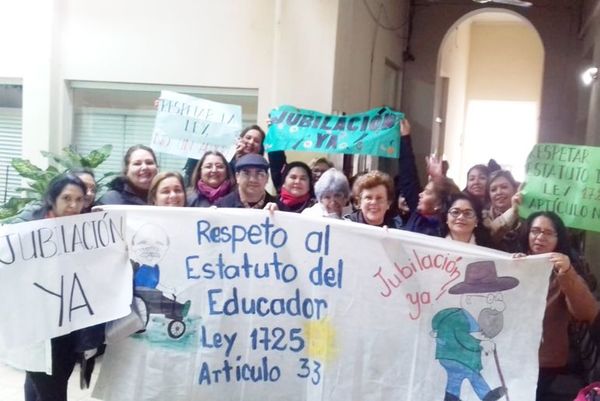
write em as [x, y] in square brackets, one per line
[251, 173]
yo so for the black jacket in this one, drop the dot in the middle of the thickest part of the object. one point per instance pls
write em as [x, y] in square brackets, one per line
[389, 220]
[233, 200]
[121, 193]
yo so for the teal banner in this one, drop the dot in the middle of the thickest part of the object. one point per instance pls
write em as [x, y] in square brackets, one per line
[375, 132]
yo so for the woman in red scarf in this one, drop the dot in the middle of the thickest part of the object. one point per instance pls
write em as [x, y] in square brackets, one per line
[297, 189]
[211, 180]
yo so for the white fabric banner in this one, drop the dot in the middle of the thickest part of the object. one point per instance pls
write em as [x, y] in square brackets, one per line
[189, 126]
[244, 305]
[59, 275]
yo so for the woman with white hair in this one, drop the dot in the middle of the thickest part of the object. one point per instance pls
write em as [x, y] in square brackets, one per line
[332, 192]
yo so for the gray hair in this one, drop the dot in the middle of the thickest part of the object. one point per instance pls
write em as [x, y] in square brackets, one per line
[332, 181]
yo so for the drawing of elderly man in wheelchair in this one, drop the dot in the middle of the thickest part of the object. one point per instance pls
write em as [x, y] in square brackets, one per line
[148, 247]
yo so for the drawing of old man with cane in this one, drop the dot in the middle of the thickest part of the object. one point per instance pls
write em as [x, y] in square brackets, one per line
[462, 333]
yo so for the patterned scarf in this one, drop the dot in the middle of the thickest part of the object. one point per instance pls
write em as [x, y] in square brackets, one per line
[213, 194]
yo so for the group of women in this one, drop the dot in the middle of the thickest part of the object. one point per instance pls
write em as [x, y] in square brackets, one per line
[484, 213]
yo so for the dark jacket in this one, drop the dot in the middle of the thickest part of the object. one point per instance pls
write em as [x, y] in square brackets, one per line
[408, 184]
[196, 199]
[233, 200]
[389, 220]
[418, 223]
[277, 161]
[77, 341]
[30, 213]
[121, 193]
[407, 181]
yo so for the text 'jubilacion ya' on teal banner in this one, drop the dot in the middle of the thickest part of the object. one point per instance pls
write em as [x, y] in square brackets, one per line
[564, 179]
[375, 132]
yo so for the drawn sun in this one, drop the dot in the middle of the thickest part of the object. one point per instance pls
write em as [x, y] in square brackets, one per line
[320, 339]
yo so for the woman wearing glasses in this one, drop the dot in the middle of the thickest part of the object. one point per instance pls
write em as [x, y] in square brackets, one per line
[568, 295]
[211, 180]
[462, 221]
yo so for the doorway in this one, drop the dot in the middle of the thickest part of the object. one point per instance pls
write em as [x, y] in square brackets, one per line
[489, 85]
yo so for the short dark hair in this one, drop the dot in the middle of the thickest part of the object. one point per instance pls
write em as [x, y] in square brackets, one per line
[482, 237]
[304, 167]
[481, 167]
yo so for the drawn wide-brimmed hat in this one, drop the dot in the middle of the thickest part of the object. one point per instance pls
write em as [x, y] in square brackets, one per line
[481, 277]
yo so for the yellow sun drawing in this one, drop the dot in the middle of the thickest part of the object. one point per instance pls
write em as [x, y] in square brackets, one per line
[320, 340]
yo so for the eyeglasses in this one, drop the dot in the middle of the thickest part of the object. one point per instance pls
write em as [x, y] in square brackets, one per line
[490, 298]
[261, 174]
[536, 232]
[466, 213]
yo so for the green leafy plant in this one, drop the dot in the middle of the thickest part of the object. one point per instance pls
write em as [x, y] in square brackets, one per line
[38, 180]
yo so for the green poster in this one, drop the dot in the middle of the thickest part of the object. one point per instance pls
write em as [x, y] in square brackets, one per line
[564, 179]
[375, 132]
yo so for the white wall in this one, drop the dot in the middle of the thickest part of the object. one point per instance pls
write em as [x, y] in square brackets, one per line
[283, 48]
[361, 52]
[27, 43]
[454, 65]
[314, 54]
[503, 95]
[506, 62]
[304, 53]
